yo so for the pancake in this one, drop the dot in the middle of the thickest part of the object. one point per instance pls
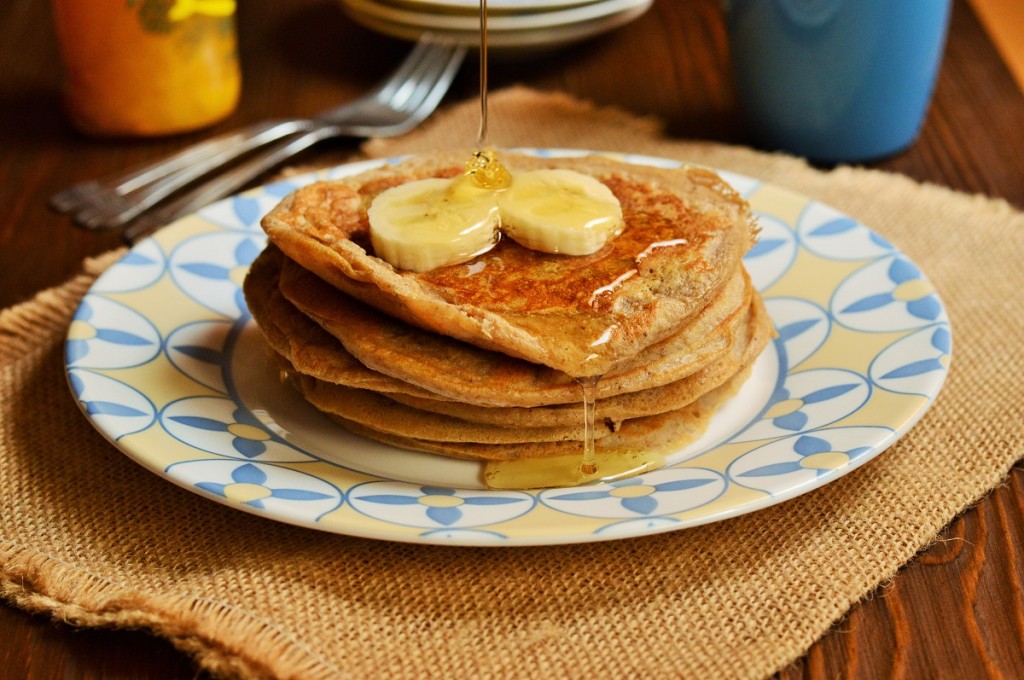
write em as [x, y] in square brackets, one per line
[383, 415]
[686, 231]
[553, 423]
[454, 370]
[296, 338]
[613, 410]
[466, 373]
[305, 346]
[658, 434]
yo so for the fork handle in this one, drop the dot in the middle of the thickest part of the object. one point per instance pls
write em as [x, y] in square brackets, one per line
[71, 198]
[225, 183]
[148, 196]
[117, 211]
[113, 203]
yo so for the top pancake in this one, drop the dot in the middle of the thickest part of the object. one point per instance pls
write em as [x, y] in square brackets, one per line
[685, 233]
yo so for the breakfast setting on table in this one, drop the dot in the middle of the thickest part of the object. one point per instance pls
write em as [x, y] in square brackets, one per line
[512, 339]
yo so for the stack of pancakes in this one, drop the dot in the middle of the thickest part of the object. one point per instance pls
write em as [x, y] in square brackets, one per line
[482, 360]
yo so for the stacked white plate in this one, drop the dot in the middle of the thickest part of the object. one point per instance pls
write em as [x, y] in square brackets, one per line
[512, 25]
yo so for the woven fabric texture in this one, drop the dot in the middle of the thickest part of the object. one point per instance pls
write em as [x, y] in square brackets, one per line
[95, 539]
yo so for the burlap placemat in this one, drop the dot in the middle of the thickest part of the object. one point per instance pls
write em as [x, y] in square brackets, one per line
[93, 538]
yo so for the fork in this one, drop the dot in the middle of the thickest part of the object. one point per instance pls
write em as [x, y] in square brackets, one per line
[396, 105]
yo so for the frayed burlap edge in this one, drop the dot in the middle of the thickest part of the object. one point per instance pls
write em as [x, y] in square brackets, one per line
[218, 637]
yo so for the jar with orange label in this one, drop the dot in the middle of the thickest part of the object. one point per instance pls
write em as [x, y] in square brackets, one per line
[147, 67]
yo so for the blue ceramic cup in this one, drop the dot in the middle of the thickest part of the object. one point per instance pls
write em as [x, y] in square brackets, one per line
[836, 81]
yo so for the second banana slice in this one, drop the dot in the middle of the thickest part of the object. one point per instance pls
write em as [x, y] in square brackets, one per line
[559, 211]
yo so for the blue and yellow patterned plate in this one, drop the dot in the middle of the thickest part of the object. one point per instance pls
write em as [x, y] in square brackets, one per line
[163, 358]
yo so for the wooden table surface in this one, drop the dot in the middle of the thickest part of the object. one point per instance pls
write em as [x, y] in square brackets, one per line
[957, 610]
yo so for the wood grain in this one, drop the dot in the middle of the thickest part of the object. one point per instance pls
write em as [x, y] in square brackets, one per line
[955, 611]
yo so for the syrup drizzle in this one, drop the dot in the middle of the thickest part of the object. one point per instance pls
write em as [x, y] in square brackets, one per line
[484, 167]
[481, 138]
[588, 466]
[488, 172]
[527, 473]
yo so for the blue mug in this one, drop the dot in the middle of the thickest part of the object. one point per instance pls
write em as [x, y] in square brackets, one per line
[836, 81]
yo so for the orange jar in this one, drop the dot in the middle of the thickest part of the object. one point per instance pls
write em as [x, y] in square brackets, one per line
[147, 67]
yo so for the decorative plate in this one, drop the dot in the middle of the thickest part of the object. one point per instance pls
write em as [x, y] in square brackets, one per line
[163, 358]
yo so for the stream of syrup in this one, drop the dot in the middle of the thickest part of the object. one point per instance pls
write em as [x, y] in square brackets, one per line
[570, 470]
[481, 137]
[588, 466]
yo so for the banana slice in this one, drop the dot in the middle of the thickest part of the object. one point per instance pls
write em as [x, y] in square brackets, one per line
[430, 223]
[559, 211]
